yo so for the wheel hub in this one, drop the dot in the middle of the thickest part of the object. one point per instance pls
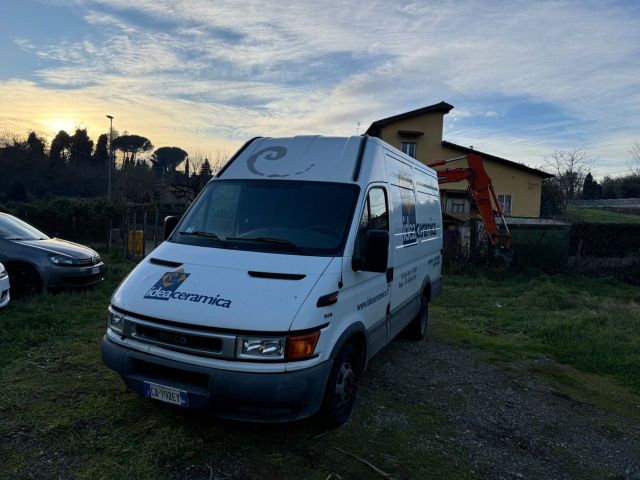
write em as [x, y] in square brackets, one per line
[345, 385]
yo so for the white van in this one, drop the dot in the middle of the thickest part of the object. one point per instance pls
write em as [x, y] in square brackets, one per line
[295, 265]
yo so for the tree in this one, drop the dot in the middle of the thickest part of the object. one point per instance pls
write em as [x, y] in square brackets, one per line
[101, 154]
[635, 158]
[36, 145]
[552, 199]
[570, 168]
[130, 146]
[205, 170]
[17, 192]
[60, 148]
[591, 189]
[81, 147]
[166, 159]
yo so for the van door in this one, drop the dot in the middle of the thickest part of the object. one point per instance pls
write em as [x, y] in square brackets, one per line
[370, 290]
[404, 243]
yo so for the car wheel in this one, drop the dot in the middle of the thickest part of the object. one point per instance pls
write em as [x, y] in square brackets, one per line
[25, 280]
[342, 386]
[417, 329]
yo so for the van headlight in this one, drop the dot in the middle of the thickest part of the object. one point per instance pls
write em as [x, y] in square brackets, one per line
[115, 321]
[261, 348]
[290, 347]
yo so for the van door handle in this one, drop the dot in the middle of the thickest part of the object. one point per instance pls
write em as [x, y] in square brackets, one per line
[389, 275]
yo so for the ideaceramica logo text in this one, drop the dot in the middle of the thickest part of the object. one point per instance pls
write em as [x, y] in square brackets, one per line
[167, 289]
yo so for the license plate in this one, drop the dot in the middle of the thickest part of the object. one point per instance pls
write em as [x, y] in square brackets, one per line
[165, 394]
[95, 270]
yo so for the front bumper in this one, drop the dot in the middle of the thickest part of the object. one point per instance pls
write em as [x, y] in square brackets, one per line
[56, 276]
[256, 397]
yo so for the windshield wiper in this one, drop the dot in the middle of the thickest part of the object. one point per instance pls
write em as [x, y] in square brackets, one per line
[199, 233]
[277, 241]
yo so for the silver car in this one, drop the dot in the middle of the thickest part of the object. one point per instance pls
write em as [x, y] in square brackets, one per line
[35, 261]
[4, 287]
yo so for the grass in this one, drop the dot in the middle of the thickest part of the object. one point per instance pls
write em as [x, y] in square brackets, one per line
[599, 215]
[63, 414]
[590, 324]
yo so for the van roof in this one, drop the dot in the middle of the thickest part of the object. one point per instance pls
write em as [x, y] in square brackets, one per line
[306, 157]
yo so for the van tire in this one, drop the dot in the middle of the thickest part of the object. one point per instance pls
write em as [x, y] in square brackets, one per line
[417, 329]
[342, 386]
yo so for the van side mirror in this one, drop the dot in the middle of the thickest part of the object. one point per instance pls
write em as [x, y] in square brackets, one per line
[170, 223]
[376, 253]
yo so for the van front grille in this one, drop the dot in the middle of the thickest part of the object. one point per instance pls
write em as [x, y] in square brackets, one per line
[188, 338]
[213, 345]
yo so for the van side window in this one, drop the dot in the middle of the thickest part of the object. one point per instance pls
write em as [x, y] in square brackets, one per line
[374, 217]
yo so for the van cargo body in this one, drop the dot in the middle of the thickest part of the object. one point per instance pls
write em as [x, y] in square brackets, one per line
[294, 266]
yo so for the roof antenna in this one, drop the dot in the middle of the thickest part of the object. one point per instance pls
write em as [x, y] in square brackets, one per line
[358, 128]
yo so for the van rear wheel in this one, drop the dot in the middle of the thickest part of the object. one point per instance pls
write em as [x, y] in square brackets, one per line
[342, 386]
[417, 329]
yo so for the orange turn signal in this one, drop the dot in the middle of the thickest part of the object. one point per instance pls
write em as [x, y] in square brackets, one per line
[301, 346]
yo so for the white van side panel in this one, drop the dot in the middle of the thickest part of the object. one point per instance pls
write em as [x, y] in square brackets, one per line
[429, 229]
[416, 235]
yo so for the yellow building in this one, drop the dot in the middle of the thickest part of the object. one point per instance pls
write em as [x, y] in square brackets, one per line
[419, 133]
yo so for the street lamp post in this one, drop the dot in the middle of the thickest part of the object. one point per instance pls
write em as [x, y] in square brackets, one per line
[110, 157]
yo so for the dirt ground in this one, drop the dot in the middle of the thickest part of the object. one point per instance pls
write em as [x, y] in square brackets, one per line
[531, 419]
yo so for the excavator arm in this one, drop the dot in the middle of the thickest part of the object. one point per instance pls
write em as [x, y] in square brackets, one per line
[483, 194]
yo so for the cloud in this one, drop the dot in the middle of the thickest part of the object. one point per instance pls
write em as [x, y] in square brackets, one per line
[202, 73]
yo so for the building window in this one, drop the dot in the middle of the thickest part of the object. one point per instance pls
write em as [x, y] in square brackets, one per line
[456, 203]
[409, 148]
[505, 202]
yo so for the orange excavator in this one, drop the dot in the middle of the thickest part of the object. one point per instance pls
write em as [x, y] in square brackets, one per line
[484, 196]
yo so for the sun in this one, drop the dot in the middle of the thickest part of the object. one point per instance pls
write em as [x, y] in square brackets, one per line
[55, 124]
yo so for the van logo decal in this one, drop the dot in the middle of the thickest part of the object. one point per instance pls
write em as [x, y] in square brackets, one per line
[271, 154]
[166, 289]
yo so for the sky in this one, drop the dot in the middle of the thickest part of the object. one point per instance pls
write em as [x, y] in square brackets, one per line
[525, 77]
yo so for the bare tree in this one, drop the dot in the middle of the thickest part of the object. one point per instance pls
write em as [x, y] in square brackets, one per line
[570, 168]
[635, 158]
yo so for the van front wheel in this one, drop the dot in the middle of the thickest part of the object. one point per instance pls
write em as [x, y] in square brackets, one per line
[417, 329]
[342, 386]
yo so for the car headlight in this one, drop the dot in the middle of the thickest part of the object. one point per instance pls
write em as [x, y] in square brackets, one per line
[60, 260]
[3, 272]
[292, 347]
[115, 320]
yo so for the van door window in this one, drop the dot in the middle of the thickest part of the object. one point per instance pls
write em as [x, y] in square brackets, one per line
[374, 217]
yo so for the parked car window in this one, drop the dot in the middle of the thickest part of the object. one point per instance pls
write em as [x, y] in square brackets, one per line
[12, 228]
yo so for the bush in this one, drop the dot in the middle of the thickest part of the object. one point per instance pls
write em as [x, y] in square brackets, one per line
[69, 218]
[604, 239]
[86, 219]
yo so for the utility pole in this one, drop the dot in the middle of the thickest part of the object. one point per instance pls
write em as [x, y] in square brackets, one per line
[110, 157]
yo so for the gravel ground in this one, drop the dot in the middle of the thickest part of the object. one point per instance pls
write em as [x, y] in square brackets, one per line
[506, 422]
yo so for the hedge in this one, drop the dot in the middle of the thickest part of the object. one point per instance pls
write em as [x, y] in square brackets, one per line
[80, 219]
[605, 239]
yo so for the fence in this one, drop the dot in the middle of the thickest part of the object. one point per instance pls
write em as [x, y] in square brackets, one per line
[141, 228]
[535, 242]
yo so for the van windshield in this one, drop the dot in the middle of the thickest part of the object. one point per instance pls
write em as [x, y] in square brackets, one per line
[284, 216]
